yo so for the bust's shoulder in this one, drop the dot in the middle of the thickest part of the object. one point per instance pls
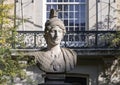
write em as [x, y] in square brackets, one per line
[68, 50]
[40, 50]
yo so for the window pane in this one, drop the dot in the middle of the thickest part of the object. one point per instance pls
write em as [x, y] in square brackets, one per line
[76, 7]
[70, 28]
[54, 0]
[54, 7]
[66, 15]
[48, 15]
[60, 15]
[71, 22]
[67, 29]
[66, 22]
[48, 7]
[71, 0]
[65, 0]
[71, 15]
[82, 28]
[83, 17]
[60, 7]
[82, 0]
[71, 8]
[77, 0]
[76, 15]
[82, 8]
[65, 7]
[76, 22]
[77, 29]
[59, 0]
[82, 23]
[48, 0]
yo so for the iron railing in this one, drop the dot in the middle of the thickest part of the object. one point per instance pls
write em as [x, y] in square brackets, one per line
[76, 39]
[90, 43]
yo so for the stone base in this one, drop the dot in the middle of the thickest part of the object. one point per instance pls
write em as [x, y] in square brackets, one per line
[60, 79]
[54, 78]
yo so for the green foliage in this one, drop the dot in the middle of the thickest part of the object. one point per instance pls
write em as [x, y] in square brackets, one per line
[10, 67]
[116, 40]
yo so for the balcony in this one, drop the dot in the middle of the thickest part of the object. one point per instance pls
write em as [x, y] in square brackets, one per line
[88, 43]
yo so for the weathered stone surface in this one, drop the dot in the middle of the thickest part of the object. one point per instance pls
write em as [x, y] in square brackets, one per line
[54, 58]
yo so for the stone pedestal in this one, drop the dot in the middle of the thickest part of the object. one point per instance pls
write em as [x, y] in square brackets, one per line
[63, 79]
[54, 79]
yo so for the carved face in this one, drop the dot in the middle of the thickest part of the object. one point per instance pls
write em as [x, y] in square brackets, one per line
[55, 35]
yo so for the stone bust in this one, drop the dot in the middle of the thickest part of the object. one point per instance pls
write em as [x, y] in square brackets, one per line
[55, 58]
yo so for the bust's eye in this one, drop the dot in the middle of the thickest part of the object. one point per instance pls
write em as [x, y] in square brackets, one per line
[60, 31]
[52, 31]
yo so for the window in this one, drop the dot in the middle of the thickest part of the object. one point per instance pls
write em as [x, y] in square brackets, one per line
[72, 12]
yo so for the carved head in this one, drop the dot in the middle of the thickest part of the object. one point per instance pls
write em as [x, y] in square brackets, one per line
[53, 24]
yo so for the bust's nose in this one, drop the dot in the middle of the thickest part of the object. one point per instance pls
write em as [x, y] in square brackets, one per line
[56, 33]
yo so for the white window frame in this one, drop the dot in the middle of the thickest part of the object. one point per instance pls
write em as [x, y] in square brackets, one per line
[74, 3]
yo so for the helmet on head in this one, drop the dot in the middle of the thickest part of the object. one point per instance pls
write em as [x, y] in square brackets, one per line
[54, 21]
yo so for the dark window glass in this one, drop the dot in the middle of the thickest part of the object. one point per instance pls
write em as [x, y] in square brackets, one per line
[82, 8]
[60, 7]
[65, 14]
[76, 7]
[77, 29]
[76, 15]
[59, 0]
[71, 0]
[54, 6]
[66, 22]
[82, 17]
[82, 28]
[71, 8]
[82, 23]
[48, 7]
[67, 29]
[76, 22]
[70, 28]
[48, 0]
[60, 15]
[82, 0]
[71, 14]
[71, 23]
[48, 14]
[77, 0]
[54, 0]
[65, 7]
[65, 0]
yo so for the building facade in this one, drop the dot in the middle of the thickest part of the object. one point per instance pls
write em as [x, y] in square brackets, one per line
[78, 16]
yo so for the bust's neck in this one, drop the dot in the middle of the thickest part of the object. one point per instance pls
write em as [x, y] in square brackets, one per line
[55, 49]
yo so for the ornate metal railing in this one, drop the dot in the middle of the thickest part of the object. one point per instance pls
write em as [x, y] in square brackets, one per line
[83, 42]
[79, 39]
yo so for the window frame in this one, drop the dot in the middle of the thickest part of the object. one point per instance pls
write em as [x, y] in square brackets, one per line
[71, 3]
